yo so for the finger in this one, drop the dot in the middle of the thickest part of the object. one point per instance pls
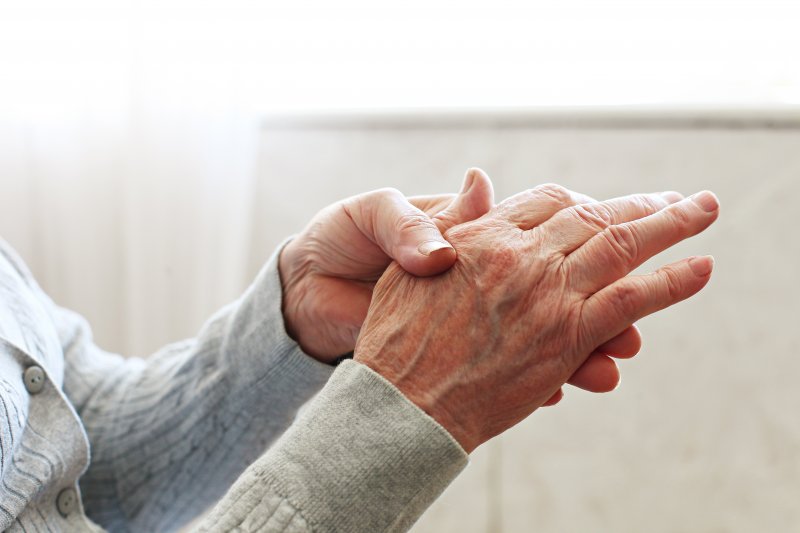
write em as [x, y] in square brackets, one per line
[614, 252]
[623, 346]
[531, 208]
[339, 335]
[599, 373]
[610, 311]
[555, 398]
[474, 200]
[402, 231]
[572, 227]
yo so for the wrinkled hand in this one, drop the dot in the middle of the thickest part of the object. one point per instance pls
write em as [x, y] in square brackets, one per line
[328, 272]
[535, 288]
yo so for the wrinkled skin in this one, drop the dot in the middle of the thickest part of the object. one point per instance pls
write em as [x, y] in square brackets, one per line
[329, 271]
[536, 287]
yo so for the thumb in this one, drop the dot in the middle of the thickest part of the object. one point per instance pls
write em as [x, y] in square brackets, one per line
[475, 200]
[404, 232]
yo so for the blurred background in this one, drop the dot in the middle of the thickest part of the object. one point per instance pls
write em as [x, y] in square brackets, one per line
[153, 154]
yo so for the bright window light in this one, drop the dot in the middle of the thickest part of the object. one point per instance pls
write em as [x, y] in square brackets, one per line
[316, 54]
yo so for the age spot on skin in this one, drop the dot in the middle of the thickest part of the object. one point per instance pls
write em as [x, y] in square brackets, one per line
[499, 262]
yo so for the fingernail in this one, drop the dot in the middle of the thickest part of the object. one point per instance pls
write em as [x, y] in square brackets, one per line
[706, 200]
[469, 179]
[702, 266]
[428, 247]
[672, 196]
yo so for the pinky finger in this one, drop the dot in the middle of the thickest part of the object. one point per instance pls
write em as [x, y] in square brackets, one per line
[555, 398]
[624, 346]
[611, 310]
[599, 373]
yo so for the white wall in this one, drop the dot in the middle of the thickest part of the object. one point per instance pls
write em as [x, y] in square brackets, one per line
[703, 435]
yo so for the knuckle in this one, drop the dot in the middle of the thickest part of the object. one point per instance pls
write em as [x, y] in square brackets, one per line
[680, 217]
[372, 204]
[557, 193]
[673, 284]
[623, 241]
[413, 221]
[387, 193]
[650, 204]
[596, 216]
[368, 210]
[626, 299]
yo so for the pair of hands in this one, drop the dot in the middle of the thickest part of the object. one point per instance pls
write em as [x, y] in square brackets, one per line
[330, 270]
[538, 297]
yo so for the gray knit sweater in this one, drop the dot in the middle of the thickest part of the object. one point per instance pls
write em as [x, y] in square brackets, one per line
[90, 440]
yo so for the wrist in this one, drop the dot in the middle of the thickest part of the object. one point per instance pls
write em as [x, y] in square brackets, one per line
[433, 400]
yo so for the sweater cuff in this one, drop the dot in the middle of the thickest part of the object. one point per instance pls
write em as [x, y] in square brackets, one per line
[362, 457]
[259, 323]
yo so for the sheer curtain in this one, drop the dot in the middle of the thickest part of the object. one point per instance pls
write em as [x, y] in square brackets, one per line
[127, 154]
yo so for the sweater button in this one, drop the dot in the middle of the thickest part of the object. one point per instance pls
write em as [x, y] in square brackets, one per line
[34, 379]
[66, 502]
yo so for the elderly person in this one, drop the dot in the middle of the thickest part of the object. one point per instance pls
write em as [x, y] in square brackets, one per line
[484, 314]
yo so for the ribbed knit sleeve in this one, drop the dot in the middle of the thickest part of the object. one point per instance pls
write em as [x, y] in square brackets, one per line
[169, 434]
[361, 458]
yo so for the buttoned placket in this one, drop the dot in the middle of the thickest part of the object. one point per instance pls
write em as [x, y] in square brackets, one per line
[32, 340]
[35, 380]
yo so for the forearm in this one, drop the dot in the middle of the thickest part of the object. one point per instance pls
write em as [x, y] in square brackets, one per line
[361, 458]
